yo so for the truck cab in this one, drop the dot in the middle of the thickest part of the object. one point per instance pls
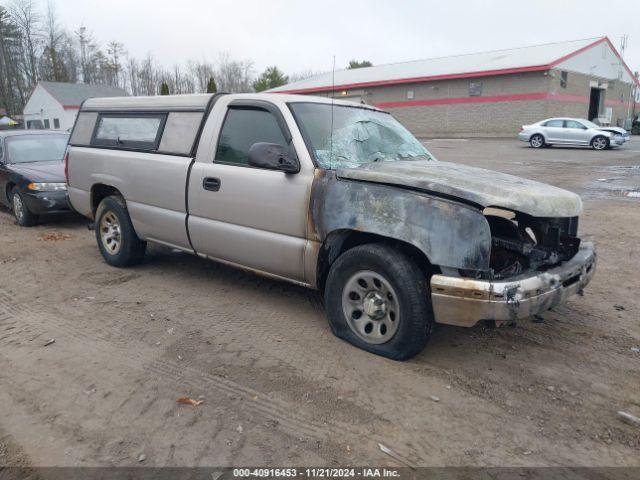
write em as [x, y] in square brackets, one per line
[332, 195]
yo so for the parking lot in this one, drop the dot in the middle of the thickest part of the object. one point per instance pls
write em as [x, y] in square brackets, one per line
[279, 389]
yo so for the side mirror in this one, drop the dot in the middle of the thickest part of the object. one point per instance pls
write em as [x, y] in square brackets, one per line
[272, 157]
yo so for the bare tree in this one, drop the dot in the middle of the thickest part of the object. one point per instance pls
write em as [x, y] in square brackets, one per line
[233, 76]
[115, 51]
[29, 23]
[51, 64]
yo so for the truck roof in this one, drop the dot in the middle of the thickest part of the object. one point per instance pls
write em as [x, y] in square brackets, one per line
[195, 102]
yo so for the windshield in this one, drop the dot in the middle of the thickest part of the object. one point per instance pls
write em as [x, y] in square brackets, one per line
[35, 148]
[360, 136]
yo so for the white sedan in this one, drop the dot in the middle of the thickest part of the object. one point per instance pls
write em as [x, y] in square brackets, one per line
[571, 131]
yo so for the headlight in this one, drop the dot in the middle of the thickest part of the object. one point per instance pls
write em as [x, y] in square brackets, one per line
[47, 187]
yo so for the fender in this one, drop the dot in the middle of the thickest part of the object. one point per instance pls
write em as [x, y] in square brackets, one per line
[449, 233]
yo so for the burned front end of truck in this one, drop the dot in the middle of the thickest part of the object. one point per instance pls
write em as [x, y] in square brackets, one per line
[535, 264]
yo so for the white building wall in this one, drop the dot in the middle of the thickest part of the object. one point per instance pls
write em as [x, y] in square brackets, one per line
[42, 106]
[597, 61]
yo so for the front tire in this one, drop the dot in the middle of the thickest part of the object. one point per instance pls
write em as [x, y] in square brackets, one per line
[21, 212]
[117, 240]
[600, 143]
[537, 141]
[377, 299]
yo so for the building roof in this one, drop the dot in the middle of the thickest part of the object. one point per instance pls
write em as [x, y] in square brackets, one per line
[71, 95]
[496, 62]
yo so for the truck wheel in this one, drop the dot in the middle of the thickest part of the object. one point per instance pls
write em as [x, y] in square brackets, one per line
[599, 143]
[537, 141]
[20, 210]
[117, 240]
[377, 299]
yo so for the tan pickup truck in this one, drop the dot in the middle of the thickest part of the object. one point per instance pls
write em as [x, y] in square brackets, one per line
[332, 195]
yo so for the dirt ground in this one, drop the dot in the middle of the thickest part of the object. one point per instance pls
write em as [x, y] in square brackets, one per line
[279, 389]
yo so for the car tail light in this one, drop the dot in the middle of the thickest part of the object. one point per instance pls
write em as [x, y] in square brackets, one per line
[521, 128]
[66, 166]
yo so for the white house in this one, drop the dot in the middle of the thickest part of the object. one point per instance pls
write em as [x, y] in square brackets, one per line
[54, 105]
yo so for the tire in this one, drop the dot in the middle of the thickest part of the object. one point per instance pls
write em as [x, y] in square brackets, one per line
[20, 210]
[407, 315]
[537, 141]
[600, 143]
[117, 240]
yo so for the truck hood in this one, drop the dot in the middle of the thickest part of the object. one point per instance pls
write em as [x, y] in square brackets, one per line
[39, 171]
[482, 187]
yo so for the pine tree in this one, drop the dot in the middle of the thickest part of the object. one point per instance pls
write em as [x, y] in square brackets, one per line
[164, 89]
[272, 77]
[211, 86]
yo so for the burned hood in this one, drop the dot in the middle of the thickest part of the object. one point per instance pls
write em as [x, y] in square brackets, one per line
[482, 187]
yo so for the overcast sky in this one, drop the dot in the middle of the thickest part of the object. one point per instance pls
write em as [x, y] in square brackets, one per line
[304, 35]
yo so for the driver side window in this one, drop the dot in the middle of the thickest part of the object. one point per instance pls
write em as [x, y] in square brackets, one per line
[574, 124]
[241, 129]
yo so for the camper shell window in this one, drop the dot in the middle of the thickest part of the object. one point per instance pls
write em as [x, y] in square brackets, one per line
[139, 131]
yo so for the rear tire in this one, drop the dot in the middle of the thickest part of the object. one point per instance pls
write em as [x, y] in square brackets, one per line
[24, 217]
[537, 141]
[117, 240]
[600, 143]
[377, 299]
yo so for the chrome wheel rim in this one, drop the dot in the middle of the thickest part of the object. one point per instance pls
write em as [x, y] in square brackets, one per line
[599, 143]
[18, 207]
[371, 307]
[110, 234]
[536, 141]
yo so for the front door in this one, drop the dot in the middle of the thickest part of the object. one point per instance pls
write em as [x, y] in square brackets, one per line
[576, 132]
[250, 216]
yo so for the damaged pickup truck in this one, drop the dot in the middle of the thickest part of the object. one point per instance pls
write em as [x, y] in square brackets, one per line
[334, 196]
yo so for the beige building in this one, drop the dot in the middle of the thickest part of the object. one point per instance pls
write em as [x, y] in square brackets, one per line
[491, 93]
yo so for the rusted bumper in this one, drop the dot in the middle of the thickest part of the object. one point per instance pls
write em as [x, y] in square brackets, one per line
[463, 301]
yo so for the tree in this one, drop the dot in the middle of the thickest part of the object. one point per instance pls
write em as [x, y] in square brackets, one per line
[115, 51]
[211, 86]
[272, 77]
[52, 66]
[164, 89]
[12, 88]
[353, 64]
[28, 21]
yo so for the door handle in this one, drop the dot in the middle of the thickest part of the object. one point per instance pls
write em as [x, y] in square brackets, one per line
[211, 183]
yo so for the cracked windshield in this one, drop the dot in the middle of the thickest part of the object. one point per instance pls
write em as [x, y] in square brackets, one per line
[360, 136]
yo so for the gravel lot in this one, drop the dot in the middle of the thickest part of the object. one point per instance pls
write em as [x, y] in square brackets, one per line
[278, 389]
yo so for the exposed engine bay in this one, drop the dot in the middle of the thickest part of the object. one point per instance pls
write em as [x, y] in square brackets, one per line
[520, 242]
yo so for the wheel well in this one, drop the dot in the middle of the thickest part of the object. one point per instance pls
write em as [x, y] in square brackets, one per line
[537, 133]
[342, 240]
[99, 192]
[7, 191]
[600, 135]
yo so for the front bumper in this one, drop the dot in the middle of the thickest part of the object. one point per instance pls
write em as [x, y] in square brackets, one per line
[464, 302]
[45, 203]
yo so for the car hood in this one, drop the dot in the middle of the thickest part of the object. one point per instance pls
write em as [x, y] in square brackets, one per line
[618, 130]
[40, 171]
[482, 187]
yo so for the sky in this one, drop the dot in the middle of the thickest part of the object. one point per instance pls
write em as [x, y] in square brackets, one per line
[304, 35]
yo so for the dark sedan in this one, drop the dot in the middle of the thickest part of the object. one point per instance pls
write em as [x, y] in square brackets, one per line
[32, 181]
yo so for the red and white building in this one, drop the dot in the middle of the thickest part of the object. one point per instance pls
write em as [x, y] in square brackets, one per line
[491, 93]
